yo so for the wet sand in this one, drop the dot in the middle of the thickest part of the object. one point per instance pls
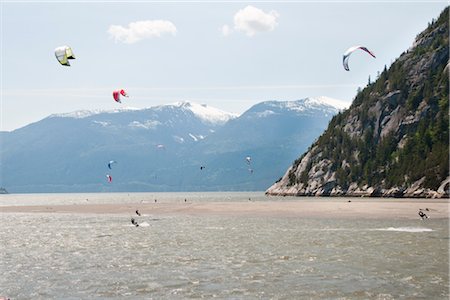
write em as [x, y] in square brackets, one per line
[333, 208]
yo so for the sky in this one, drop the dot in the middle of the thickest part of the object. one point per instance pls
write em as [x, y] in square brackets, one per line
[226, 54]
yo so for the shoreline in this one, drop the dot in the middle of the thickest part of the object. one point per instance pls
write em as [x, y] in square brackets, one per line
[363, 209]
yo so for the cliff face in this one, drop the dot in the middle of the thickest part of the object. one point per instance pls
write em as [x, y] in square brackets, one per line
[394, 139]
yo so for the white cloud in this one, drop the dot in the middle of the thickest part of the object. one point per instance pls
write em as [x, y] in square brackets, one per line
[140, 30]
[226, 30]
[252, 20]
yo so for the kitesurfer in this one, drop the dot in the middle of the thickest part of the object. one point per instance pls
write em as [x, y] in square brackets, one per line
[133, 221]
[422, 215]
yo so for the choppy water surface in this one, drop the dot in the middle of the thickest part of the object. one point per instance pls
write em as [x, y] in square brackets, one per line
[72, 256]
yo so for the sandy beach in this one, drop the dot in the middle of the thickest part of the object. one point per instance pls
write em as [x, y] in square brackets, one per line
[333, 208]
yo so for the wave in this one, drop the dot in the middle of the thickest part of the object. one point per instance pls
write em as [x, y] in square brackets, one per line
[144, 224]
[405, 229]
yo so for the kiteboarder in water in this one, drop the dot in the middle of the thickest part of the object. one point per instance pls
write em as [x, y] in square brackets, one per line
[423, 215]
[133, 221]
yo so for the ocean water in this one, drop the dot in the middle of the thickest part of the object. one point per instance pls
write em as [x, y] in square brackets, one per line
[87, 256]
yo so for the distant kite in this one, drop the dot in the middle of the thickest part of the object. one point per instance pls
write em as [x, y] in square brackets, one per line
[117, 95]
[63, 54]
[111, 162]
[350, 51]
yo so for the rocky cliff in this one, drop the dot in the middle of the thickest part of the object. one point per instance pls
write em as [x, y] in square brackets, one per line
[394, 139]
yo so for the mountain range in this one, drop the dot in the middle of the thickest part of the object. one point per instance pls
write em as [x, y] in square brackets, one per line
[183, 146]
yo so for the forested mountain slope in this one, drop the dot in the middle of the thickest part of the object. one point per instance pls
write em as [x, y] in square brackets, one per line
[394, 139]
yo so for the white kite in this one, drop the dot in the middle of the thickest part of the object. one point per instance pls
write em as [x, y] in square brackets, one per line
[63, 54]
[350, 51]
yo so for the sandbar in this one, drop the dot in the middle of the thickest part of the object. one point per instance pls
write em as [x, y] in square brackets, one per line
[359, 209]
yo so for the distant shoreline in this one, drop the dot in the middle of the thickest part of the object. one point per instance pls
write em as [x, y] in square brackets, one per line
[393, 195]
[357, 209]
[354, 190]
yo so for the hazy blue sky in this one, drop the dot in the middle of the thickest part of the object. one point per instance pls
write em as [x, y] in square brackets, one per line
[230, 55]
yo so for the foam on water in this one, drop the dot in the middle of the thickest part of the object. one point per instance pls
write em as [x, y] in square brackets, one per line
[405, 229]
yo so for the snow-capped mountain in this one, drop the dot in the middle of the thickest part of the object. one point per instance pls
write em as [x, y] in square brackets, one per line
[204, 112]
[273, 133]
[161, 148]
[339, 104]
[304, 107]
[80, 114]
[178, 122]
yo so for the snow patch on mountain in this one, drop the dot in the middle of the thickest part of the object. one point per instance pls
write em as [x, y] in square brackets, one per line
[196, 138]
[265, 113]
[149, 124]
[319, 103]
[193, 137]
[178, 139]
[81, 114]
[204, 112]
[339, 104]
[101, 123]
[307, 106]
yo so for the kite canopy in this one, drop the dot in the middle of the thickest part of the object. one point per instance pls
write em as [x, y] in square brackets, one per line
[63, 54]
[111, 162]
[117, 95]
[350, 51]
